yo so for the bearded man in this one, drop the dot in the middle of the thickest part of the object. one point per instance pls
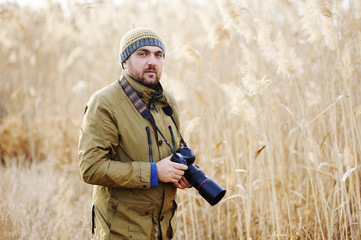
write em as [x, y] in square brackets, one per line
[125, 145]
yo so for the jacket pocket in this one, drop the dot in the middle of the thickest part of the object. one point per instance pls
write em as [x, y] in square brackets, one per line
[131, 220]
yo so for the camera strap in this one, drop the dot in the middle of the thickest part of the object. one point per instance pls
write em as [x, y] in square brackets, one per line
[169, 111]
[141, 107]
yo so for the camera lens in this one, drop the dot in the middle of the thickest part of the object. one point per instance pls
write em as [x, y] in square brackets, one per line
[208, 188]
[211, 191]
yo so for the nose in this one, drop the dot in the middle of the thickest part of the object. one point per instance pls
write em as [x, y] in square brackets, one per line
[151, 60]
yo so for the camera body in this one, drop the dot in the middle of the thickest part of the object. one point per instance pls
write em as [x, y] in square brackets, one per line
[208, 188]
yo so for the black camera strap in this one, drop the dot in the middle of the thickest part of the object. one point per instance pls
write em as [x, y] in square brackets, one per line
[169, 111]
[142, 108]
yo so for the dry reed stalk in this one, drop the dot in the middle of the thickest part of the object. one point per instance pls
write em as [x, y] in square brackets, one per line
[287, 152]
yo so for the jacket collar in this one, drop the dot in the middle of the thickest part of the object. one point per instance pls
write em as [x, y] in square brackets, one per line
[147, 94]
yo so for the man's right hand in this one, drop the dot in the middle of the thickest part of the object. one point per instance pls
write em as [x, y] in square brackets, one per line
[169, 171]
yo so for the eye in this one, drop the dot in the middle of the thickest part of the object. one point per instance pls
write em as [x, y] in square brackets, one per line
[160, 55]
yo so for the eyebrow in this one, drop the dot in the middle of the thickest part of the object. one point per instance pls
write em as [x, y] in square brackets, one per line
[146, 50]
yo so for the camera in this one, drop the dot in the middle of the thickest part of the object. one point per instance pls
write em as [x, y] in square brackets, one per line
[207, 188]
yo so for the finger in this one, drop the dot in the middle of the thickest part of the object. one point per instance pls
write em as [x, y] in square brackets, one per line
[176, 174]
[178, 185]
[175, 177]
[182, 186]
[186, 184]
[185, 181]
[180, 166]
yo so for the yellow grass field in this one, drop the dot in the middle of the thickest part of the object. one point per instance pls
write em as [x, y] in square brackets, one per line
[270, 100]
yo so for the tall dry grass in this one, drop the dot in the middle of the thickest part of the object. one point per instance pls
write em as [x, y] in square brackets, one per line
[269, 96]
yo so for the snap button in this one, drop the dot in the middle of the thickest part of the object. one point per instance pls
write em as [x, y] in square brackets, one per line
[160, 142]
[161, 218]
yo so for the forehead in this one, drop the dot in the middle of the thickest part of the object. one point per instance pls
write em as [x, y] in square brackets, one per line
[150, 49]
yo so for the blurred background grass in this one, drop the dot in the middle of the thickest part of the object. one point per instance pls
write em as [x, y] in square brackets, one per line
[269, 100]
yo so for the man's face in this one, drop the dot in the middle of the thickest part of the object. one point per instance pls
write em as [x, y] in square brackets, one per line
[145, 65]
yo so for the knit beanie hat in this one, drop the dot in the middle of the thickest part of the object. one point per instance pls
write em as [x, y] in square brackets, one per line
[137, 38]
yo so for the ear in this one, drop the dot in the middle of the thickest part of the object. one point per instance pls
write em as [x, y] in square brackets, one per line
[122, 64]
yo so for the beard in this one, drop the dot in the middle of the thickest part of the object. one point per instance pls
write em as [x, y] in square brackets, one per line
[150, 76]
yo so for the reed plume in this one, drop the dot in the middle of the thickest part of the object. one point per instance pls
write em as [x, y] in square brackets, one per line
[268, 95]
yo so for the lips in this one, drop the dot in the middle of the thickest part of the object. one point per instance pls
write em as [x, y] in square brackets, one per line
[151, 71]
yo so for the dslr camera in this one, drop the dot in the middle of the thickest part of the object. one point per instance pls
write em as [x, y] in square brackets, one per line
[207, 188]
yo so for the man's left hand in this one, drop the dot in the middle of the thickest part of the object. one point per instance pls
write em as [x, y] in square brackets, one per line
[182, 184]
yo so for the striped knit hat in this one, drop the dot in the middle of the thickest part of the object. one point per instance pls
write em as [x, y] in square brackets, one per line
[137, 38]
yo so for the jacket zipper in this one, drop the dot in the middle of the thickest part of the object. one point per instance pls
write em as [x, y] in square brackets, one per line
[149, 145]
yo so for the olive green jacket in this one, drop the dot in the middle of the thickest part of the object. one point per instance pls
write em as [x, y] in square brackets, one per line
[114, 155]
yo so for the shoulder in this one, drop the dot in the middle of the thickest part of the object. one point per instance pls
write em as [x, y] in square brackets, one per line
[173, 103]
[170, 98]
[108, 95]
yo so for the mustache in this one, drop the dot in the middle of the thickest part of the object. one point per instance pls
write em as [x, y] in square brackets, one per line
[150, 68]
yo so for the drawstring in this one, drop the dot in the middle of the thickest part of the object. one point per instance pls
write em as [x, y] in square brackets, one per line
[149, 145]
[93, 220]
[169, 111]
[151, 120]
[171, 133]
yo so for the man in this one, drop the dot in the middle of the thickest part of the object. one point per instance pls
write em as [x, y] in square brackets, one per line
[125, 152]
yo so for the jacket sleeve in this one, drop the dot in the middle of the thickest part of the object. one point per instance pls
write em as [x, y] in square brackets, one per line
[98, 142]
